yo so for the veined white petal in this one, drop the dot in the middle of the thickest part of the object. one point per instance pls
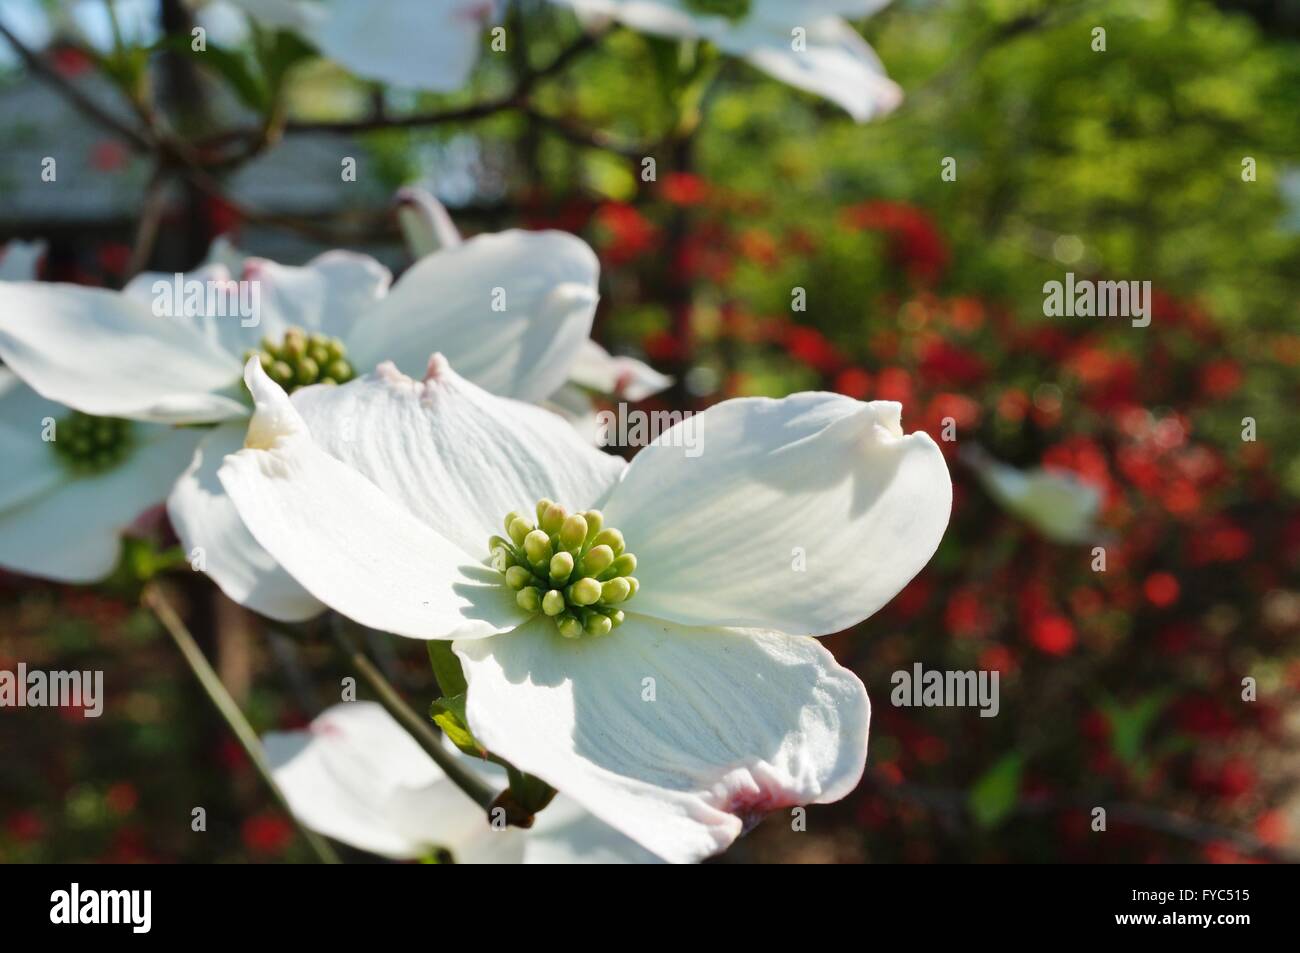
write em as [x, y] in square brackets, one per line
[678, 737]
[72, 532]
[346, 542]
[105, 354]
[234, 309]
[328, 294]
[804, 515]
[210, 529]
[509, 310]
[622, 377]
[357, 776]
[456, 457]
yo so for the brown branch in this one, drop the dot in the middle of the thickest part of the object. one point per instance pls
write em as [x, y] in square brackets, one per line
[84, 104]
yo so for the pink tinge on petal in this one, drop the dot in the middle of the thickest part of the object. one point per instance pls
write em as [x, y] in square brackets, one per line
[437, 369]
[751, 795]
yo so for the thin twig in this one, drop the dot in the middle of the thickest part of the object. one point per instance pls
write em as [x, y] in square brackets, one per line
[83, 103]
[146, 231]
[153, 599]
[419, 728]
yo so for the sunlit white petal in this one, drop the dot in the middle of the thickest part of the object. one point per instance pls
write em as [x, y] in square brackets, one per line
[217, 542]
[349, 544]
[676, 736]
[804, 515]
[106, 354]
[454, 456]
[510, 311]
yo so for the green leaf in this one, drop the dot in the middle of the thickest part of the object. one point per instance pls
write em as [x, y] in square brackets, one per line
[446, 668]
[1129, 724]
[996, 793]
[237, 70]
[449, 715]
[279, 53]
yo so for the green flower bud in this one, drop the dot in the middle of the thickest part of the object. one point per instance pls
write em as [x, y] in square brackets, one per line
[295, 346]
[595, 520]
[616, 617]
[597, 560]
[281, 373]
[542, 505]
[611, 538]
[561, 568]
[625, 565]
[517, 577]
[633, 584]
[598, 624]
[519, 529]
[529, 599]
[573, 533]
[568, 625]
[308, 371]
[584, 592]
[537, 545]
[554, 518]
[553, 602]
[616, 590]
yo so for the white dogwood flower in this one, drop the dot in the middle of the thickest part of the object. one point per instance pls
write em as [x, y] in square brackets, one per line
[803, 43]
[513, 307]
[357, 776]
[71, 484]
[423, 44]
[428, 228]
[1057, 503]
[674, 693]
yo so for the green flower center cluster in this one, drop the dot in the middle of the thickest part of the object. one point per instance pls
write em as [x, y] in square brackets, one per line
[731, 9]
[568, 566]
[302, 359]
[91, 444]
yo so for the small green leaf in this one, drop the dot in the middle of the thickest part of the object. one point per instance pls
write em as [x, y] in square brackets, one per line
[449, 715]
[446, 668]
[1129, 724]
[996, 793]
